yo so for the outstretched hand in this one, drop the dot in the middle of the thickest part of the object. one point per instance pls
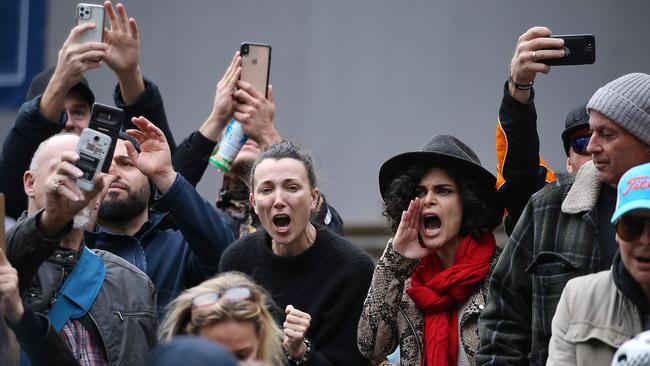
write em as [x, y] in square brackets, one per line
[123, 55]
[154, 159]
[407, 239]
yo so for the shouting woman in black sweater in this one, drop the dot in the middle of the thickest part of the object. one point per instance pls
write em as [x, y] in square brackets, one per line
[317, 279]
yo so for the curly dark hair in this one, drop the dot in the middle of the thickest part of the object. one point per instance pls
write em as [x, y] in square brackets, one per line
[482, 210]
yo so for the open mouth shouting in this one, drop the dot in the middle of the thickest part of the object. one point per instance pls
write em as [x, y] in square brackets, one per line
[281, 222]
[431, 225]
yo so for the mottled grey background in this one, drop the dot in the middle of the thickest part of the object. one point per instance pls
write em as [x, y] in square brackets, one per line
[358, 81]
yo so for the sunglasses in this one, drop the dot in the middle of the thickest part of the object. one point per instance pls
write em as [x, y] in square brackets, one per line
[630, 228]
[579, 144]
[210, 298]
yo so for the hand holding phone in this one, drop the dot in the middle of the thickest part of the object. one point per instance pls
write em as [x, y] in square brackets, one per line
[91, 13]
[107, 120]
[93, 149]
[256, 65]
[579, 49]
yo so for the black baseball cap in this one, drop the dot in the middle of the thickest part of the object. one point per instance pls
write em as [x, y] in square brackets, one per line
[40, 81]
[576, 120]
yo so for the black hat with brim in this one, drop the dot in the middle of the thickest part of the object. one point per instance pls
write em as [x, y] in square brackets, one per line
[40, 81]
[576, 120]
[441, 150]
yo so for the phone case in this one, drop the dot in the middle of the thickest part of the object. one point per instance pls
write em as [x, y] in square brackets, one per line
[93, 149]
[256, 65]
[91, 13]
[580, 50]
[107, 120]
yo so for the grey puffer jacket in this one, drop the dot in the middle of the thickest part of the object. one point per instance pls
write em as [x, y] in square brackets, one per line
[124, 312]
[390, 317]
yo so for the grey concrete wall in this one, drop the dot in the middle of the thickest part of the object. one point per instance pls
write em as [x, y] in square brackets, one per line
[358, 81]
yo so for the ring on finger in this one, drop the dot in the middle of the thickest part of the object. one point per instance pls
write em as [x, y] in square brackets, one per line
[534, 55]
[56, 185]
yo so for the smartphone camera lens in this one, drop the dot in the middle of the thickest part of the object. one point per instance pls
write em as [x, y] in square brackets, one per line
[244, 50]
[87, 12]
[589, 45]
[96, 138]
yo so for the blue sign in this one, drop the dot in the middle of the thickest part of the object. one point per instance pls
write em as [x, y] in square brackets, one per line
[22, 43]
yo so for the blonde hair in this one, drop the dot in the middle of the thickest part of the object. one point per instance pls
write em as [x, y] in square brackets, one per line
[181, 320]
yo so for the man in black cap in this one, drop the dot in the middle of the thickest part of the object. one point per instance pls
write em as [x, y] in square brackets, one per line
[59, 99]
[575, 138]
[520, 169]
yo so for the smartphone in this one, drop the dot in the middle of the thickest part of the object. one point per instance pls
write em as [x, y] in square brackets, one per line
[93, 149]
[580, 49]
[107, 120]
[256, 65]
[91, 13]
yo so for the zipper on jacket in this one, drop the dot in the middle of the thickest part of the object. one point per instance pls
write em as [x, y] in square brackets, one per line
[415, 334]
[128, 314]
[101, 336]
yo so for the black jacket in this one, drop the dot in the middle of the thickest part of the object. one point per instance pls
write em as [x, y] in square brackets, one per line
[32, 127]
[520, 170]
[123, 316]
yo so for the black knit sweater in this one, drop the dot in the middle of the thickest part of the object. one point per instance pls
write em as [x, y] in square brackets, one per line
[329, 281]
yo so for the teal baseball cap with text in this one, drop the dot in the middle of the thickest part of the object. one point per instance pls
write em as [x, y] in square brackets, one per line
[633, 191]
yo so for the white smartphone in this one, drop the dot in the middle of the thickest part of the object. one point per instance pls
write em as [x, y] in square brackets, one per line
[256, 65]
[91, 13]
[93, 149]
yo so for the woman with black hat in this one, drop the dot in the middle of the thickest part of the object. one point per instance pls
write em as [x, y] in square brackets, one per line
[430, 284]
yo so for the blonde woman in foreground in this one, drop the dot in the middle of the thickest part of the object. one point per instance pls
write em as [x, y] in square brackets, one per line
[230, 309]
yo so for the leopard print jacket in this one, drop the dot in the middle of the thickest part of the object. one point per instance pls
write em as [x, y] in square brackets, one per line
[390, 317]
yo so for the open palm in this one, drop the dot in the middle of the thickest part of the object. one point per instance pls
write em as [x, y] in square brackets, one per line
[406, 240]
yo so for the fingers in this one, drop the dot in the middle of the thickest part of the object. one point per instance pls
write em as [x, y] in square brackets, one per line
[112, 16]
[123, 19]
[290, 310]
[535, 32]
[133, 26]
[244, 97]
[3, 259]
[269, 94]
[76, 32]
[296, 324]
[65, 186]
[149, 130]
[131, 152]
[250, 89]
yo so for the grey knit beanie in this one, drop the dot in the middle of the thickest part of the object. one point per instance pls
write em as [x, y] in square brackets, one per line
[626, 101]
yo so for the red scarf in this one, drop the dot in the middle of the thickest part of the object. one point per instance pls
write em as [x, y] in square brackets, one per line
[438, 293]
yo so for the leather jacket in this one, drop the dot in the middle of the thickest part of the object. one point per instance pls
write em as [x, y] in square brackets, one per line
[123, 315]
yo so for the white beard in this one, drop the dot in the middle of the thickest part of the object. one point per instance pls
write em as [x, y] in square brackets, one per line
[82, 218]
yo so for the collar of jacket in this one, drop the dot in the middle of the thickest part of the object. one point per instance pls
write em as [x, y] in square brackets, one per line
[583, 194]
[155, 220]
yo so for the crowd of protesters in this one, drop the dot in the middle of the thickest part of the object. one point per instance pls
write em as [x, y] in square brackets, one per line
[144, 270]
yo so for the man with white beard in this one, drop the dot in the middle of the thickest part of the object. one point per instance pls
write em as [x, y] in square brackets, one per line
[102, 307]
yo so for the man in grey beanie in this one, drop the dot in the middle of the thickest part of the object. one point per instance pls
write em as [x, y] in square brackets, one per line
[564, 231]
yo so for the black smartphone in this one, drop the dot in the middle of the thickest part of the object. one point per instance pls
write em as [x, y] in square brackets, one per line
[107, 120]
[580, 49]
[256, 65]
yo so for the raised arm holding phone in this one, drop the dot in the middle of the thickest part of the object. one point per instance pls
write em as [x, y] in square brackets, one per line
[60, 99]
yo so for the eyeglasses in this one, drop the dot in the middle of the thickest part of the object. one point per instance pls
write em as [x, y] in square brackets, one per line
[579, 144]
[630, 228]
[234, 294]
